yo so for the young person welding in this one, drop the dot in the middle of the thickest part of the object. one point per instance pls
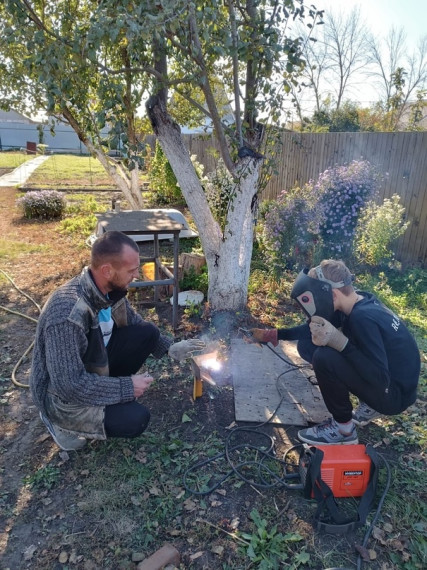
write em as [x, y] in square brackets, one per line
[356, 345]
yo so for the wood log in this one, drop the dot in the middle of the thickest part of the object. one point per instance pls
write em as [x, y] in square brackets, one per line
[189, 260]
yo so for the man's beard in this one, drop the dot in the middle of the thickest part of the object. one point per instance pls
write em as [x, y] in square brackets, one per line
[116, 290]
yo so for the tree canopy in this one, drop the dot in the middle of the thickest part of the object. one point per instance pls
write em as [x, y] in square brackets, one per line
[93, 63]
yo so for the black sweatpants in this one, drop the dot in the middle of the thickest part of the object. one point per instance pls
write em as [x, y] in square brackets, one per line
[128, 348]
[337, 379]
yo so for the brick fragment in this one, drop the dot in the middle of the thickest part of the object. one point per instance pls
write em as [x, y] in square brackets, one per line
[167, 554]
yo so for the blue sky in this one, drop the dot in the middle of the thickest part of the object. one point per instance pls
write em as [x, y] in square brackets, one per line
[381, 15]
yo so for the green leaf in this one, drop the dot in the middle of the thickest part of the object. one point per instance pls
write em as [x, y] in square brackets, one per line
[185, 418]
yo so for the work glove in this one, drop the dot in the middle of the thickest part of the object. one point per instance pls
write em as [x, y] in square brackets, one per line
[264, 336]
[185, 348]
[325, 334]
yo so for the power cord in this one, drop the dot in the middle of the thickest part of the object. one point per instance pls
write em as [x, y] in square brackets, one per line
[267, 454]
[28, 350]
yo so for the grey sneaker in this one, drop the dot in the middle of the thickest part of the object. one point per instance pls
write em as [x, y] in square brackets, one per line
[328, 433]
[65, 440]
[363, 414]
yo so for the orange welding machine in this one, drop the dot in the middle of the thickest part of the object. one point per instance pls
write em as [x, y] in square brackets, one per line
[337, 471]
[346, 469]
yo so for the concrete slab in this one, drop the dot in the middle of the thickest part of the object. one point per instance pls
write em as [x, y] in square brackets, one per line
[262, 381]
[21, 174]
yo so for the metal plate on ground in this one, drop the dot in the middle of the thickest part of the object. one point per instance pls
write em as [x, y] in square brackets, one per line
[259, 385]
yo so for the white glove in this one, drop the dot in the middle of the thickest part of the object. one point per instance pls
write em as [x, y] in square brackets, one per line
[325, 334]
[185, 348]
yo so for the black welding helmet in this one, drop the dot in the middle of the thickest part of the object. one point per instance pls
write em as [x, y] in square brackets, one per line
[315, 295]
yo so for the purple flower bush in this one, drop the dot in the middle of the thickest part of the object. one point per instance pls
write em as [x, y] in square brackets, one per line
[42, 204]
[344, 191]
[292, 227]
[320, 219]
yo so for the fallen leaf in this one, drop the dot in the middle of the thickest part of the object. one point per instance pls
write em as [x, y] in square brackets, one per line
[74, 558]
[222, 492]
[98, 554]
[63, 557]
[189, 505]
[155, 491]
[28, 552]
[364, 552]
[396, 544]
[185, 418]
[406, 557]
[372, 554]
[196, 555]
[216, 503]
[378, 534]
[138, 556]
[141, 456]
[135, 501]
[217, 550]
[388, 527]
[175, 532]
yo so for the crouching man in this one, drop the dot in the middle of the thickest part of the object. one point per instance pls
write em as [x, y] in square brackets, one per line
[90, 345]
[356, 346]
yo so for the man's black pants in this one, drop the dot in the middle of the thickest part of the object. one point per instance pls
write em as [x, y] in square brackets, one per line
[337, 378]
[128, 348]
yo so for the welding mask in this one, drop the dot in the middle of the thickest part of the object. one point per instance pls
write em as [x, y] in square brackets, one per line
[315, 295]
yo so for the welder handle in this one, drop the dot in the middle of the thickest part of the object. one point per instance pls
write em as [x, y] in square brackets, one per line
[264, 336]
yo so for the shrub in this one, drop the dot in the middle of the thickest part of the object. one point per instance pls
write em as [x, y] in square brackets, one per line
[291, 228]
[379, 226]
[192, 280]
[344, 191]
[44, 204]
[318, 220]
[162, 178]
[80, 220]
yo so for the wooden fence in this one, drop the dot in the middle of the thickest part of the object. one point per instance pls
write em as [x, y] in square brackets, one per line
[402, 156]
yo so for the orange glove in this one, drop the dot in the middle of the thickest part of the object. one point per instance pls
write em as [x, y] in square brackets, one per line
[264, 336]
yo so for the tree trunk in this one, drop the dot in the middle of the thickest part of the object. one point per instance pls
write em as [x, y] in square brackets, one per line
[228, 255]
[128, 185]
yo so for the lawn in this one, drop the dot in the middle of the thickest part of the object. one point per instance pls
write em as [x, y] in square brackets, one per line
[116, 502]
[11, 160]
[63, 172]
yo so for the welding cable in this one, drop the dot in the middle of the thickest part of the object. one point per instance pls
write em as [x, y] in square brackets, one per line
[266, 453]
[378, 510]
[21, 359]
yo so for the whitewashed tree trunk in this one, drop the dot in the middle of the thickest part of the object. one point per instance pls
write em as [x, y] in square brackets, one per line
[228, 255]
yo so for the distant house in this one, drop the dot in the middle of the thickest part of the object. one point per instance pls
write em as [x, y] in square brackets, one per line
[16, 131]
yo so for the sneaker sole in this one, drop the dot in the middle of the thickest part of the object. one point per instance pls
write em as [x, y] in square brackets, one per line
[311, 442]
[363, 423]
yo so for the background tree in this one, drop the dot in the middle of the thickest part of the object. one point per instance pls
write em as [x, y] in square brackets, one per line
[399, 73]
[95, 61]
[334, 55]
